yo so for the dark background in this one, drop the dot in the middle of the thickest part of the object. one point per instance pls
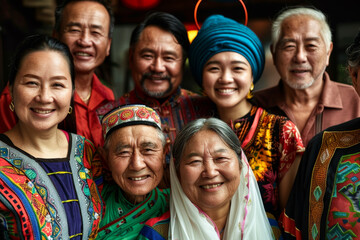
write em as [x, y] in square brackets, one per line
[19, 18]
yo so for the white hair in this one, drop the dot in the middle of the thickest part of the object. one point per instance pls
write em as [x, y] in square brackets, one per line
[301, 11]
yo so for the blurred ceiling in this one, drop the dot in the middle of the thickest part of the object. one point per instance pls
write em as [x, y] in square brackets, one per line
[39, 13]
[257, 9]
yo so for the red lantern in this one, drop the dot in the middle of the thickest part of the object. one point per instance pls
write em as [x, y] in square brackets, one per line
[141, 4]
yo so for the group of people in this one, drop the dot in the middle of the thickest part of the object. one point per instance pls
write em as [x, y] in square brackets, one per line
[163, 162]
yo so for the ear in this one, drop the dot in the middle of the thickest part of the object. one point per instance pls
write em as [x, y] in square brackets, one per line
[272, 53]
[131, 57]
[165, 152]
[11, 92]
[108, 47]
[329, 53]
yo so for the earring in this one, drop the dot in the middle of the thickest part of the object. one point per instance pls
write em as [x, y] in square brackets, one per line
[70, 110]
[12, 106]
[250, 94]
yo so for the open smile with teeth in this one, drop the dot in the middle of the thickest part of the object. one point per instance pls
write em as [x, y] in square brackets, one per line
[211, 186]
[226, 90]
[138, 178]
[82, 54]
[42, 111]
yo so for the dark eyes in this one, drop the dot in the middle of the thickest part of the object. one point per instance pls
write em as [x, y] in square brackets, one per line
[31, 83]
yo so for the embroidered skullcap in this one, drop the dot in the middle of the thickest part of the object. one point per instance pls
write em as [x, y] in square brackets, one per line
[221, 34]
[129, 115]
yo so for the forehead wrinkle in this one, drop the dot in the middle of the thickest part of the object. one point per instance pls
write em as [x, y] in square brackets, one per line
[120, 146]
[78, 24]
[221, 150]
[148, 144]
[195, 154]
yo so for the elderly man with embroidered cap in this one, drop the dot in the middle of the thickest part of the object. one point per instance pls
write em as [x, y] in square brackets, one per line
[227, 58]
[134, 153]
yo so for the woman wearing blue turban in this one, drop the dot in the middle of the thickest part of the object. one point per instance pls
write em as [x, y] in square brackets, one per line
[227, 59]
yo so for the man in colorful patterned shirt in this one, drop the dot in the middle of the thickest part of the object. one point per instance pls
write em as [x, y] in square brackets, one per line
[158, 51]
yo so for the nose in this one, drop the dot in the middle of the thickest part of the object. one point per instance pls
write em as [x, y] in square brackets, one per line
[300, 55]
[226, 77]
[210, 169]
[137, 161]
[158, 65]
[45, 95]
[84, 39]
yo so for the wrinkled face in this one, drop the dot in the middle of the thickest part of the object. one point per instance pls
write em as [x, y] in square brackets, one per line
[42, 90]
[209, 171]
[301, 55]
[355, 77]
[135, 158]
[85, 30]
[156, 63]
[227, 77]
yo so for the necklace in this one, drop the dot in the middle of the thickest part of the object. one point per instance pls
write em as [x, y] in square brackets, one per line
[87, 98]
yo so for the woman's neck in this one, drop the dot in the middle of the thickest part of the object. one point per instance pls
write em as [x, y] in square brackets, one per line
[219, 216]
[235, 112]
[40, 144]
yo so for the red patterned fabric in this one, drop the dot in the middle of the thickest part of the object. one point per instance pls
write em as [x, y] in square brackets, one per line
[270, 143]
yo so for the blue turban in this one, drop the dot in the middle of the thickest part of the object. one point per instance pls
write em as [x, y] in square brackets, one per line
[221, 34]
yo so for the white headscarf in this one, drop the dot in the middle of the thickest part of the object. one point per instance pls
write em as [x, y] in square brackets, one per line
[247, 218]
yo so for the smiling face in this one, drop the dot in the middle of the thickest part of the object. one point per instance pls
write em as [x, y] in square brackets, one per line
[85, 29]
[209, 171]
[227, 78]
[301, 55]
[135, 157]
[156, 62]
[42, 90]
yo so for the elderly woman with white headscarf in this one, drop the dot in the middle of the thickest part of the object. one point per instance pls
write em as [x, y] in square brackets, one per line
[214, 194]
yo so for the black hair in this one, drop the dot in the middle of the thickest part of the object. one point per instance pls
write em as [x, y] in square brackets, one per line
[36, 43]
[166, 22]
[353, 52]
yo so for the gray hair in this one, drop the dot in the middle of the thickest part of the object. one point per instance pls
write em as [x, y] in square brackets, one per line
[353, 52]
[212, 124]
[301, 11]
[160, 134]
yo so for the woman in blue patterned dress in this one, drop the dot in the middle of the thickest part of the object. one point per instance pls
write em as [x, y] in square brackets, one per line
[46, 187]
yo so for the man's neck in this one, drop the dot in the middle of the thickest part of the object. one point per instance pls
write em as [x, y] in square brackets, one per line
[301, 102]
[303, 97]
[146, 98]
[83, 81]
